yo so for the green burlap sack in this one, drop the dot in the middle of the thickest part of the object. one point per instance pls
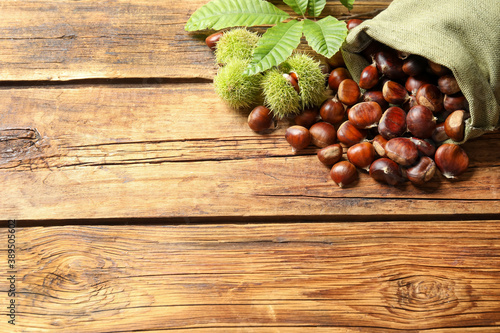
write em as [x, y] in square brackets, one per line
[463, 35]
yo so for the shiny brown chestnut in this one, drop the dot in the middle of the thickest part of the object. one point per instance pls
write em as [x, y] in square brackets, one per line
[379, 143]
[375, 96]
[323, 134]
[332, 111]
[361, 155]
[349, 135]
[394, 93]
[337, 76]
[431, 97]
[352, 23]
[421, 122]
[343, 173]
[213, 39]
[421, 172]
[454, 125]
[386, 171]
[413, 83]
[437, 69]
[365, 114]
[414, 65]
[293, 81]
[402, 151]
[425, 147]
[451, 160]
[337, 60]
[348, 92]
[331, 154]
[455, 102]
[307, 118]
[390, 65]
[260, 119]
[369, 77]
[298, 137]
[439, 134]
[448, 84]
[393, 123]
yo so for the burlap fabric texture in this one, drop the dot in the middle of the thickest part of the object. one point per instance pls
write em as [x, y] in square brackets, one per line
[463, 35]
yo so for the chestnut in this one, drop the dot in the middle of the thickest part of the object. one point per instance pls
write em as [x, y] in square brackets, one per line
[379, 143]
[402, 151]
[352, 23]
[409, 103]
[260, 119]
[343, 173]
[369, 77]
[337, 76]
[421, 122]
[431, 97]
[348, 92]
[365, 115]
[298, 137]
[393, 123]
[439, 134]
[332, 111]
[390, 65]
[337, 60]
[414, 82]
[451, 160]
[331, 154]
[455, 102]
[323, 134]
[213, 39]
[394, 93]
[293, 81]
[361, 155]
[448, 84]
[454, 125]
[421, 172]
[375, 96]
[386, 171]
[349, 135]
[414, 65]
[424, 147]
[437, 69]
[307, 118]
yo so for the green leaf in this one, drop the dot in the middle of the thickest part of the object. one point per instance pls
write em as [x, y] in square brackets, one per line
[326, 35]
[316, 7]
[275, 46]
[347, 3]
[219, 14]
[298, 6]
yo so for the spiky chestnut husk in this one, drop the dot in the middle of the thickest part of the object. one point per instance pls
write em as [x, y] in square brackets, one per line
[235, 88]
[310, 78]
[237, 43]
[279, 95]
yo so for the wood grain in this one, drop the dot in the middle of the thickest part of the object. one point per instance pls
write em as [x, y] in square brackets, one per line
[54, 40]
[176, 151]
[376, 276]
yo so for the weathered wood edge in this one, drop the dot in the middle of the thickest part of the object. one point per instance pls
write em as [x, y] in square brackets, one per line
[400, 275]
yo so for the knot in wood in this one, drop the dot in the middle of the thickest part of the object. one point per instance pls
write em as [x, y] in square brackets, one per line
[426, 293]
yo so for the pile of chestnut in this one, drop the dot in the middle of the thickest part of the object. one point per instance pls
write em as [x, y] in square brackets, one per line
[394, 130]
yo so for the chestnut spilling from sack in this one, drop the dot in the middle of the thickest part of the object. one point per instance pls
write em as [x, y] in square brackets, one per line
[397, 130]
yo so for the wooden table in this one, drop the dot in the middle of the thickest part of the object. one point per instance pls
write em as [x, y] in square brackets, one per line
[144, 204]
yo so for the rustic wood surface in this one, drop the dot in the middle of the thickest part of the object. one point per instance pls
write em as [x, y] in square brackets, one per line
[367, 276]
[175, 150]
[141, 198]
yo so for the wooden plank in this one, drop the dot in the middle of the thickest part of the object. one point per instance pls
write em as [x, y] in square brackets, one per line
[65, 40]
[177, 151]
[375, 276]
